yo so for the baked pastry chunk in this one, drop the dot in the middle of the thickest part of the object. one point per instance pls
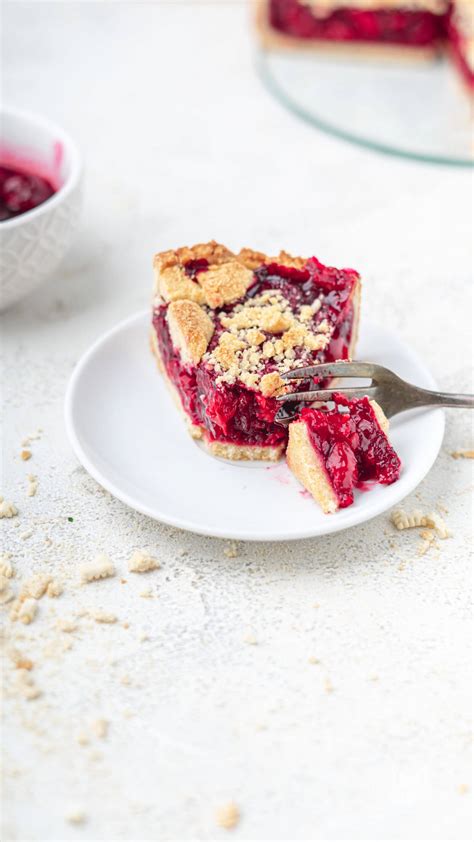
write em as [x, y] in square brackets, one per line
[332, 452]
[227, 326]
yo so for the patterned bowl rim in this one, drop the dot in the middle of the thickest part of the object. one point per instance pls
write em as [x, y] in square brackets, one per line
[73, 157]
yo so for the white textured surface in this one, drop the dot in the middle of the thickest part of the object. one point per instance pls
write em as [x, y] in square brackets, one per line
[182, 144]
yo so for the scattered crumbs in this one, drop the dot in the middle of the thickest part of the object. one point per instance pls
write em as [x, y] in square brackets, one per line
[26, 685]
[25, 455]
[54, 589]
[36, 586]
[428, 540]
[143, 637]
[404, 520]
[462, 454]
[128, 713]
[19, 660]
[313, 660]
[100, 728]
[126, 680]
[27, 534]
[24, 611]
[125, 625]
[228, 815]
[147, 593]
[32, 437]
[76, 816]
[56, 648]
[373, 678]
[328, 686]
[463, 789]
[48, 541]
[96, 756]
[141, 562]
[101, 568]
[83, 739]
[6, 596]
[123, 581]
[231, 551]
[402, 566]
[7, 509]
[104, 617]
[32, 485]
[6, 567]
[66, 625]
[250, 639]
[316, 605]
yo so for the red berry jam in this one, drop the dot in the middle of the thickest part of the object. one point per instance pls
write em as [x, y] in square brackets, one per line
[414, 27]
[21, 192]
[235, 413]
[352, 445]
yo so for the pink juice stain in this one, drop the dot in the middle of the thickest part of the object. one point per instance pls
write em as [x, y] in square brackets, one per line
[27, 181]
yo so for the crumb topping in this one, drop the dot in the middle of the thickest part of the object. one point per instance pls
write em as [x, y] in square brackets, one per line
[261, 331]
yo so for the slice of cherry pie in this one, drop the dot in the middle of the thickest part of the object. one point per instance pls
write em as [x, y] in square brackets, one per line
[386, 28]
[227, 326]
[332, 452]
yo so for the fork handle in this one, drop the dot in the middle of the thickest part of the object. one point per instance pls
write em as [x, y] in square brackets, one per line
[427, 398]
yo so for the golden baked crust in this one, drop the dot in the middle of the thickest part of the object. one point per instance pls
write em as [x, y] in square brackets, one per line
[380, 416]
[172, 284]
[190, 329]
[239, 452]
[213, 252]
[225, 283]
[253, 259]
[307, 466]
[227, 278]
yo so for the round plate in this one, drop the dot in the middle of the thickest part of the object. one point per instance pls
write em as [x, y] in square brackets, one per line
[413, 109]
[126, 431]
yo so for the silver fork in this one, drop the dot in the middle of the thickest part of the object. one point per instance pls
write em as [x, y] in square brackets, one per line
[392, 393]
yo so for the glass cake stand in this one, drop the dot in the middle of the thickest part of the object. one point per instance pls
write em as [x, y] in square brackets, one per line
[415, 110]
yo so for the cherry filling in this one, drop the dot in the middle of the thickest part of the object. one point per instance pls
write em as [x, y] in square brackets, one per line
[352, 445]
[398, 26]
[231, 412]
[192, 267]
[21, 192]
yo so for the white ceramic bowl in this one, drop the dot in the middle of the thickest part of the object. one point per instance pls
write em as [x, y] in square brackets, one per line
[33, 243]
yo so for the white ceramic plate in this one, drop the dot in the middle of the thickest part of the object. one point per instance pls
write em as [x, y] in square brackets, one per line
[126, 432]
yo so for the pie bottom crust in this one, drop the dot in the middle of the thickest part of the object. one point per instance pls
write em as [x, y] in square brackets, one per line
[306, 465]
[223, 450]
[271, 38]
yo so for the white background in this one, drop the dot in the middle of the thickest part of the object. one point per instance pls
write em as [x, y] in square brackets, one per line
[182, 144]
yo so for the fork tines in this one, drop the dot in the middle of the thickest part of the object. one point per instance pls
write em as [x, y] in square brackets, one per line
[325, 370]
